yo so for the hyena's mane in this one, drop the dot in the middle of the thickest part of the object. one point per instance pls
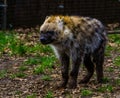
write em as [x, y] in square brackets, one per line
[67, 20]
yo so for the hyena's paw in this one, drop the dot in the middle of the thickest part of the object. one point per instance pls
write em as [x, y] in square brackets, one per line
[62, 85]
[101, 80]
[84, 81]
[72, 84]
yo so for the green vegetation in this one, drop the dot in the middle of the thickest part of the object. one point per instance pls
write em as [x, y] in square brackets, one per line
[118, 81]
[104, 88]
[115, 38]
[49, 94]
[3, 73]
[105, 80]
[32, 61]
[39, 69]
[18, 92]
[46, 78]
[108, 50]
[11, 44]
[31, 96]
[23, 68]
[85, 92]
[117, 61]
[18, 75]
[40, 57]
[110, 69]
[46, 62]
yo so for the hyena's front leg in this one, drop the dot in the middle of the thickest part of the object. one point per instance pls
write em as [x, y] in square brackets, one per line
[76, 61]
[64, 58]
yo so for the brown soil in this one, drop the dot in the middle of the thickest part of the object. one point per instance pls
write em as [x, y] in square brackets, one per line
[33, 84]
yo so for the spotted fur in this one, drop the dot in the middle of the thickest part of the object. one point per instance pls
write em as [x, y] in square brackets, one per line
[79, 39]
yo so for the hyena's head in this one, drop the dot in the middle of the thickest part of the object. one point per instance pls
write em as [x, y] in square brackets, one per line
[53, 30]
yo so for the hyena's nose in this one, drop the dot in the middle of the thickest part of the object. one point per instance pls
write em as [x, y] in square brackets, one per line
[43, 40]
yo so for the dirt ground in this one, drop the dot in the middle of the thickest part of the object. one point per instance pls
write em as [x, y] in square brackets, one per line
[33, 84]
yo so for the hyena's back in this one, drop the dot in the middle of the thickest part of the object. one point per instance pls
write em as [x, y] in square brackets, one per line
[87, 26]
[87, 31]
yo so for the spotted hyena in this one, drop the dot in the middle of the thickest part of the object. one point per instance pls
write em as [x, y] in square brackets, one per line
[79, 40]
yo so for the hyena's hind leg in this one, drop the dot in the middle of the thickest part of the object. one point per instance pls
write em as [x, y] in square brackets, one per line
[99, 60]
[90, 68]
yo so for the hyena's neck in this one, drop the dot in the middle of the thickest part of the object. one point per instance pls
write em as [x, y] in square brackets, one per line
[55, 50]
[65, 43]
[62, 47]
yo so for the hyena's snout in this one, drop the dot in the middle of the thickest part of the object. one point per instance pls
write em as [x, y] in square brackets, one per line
[43, 40]
[46, 37]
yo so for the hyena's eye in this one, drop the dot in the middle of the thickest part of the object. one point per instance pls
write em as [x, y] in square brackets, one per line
[65, 23]
[50, 32]
[41, 31]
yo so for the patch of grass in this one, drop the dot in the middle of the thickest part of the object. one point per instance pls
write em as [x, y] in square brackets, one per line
[117, 61]
[49, 95]
[39, 69]
[31, 96]
[110, 69]
[4, 39]
[108, 50]
[38, 49]
[105, 80]
[18, 74]
[17, 48]
[3, 42]
[45, 49]
[22, 68]
[117, 82]
[33, 61]
[102, 89]
[3, 73]
[108, 88]
[34, 49]
[12, 76]
[114, 38]
[46, 78]
[85, 92]
[18, 92]
[46, 62]
[10, 44]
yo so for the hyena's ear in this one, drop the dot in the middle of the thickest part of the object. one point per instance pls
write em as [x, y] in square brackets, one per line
[59, 19]
[59, 23]
[62, 20]
[46, 17]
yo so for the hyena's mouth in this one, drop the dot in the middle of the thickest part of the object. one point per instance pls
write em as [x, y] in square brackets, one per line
[46, 40]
